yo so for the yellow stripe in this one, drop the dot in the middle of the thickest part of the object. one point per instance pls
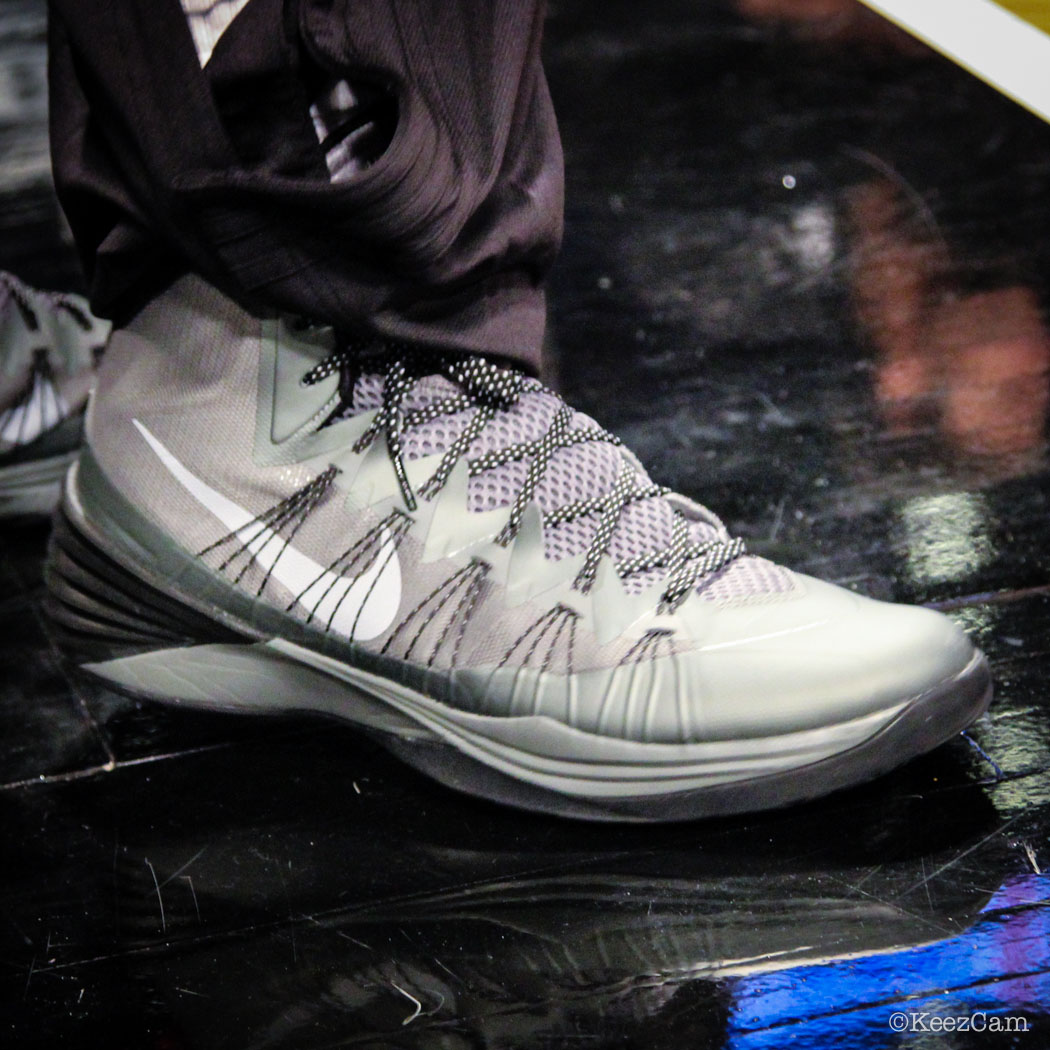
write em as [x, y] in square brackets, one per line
[1004, 42]
[1035, 12]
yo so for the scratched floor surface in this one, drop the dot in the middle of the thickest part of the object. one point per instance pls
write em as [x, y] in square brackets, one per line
[805, 276]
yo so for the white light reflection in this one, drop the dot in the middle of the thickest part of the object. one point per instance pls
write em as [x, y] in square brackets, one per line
[946, 537]
[812, 236]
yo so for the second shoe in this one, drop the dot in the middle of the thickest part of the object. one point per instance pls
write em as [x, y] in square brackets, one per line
[49, 346]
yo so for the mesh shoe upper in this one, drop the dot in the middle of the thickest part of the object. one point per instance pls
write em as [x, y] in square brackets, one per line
[577, 472]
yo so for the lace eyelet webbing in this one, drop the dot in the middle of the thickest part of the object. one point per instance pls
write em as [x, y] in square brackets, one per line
[488, 388]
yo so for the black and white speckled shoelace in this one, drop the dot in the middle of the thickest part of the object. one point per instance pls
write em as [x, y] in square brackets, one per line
[488, 388]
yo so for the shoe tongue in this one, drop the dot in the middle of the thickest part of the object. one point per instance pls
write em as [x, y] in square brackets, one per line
[368, 393]
[577, 472]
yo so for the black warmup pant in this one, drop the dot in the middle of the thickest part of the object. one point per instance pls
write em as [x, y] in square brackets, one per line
[165, 168]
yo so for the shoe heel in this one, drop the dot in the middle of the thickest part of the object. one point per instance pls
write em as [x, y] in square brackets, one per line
[100, 610]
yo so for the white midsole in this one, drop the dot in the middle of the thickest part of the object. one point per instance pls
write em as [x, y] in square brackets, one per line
[543, 751]
[279, 676]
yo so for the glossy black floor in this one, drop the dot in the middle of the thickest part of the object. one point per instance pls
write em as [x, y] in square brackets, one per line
[805, 275]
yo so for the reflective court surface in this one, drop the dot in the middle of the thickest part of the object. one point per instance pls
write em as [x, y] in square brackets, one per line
[806, 277]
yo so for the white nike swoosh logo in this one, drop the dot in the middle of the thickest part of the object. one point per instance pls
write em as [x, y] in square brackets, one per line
[43, 409]
[359, 609]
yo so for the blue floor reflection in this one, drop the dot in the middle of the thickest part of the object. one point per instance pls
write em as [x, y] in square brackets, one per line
[999, 967]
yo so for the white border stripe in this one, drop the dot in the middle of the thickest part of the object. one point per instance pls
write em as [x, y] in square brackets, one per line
[986, 39]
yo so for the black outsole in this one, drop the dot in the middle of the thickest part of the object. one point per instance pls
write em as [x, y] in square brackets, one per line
[100, 610]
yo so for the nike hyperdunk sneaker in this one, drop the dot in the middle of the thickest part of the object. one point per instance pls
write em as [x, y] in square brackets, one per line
[49, 344]
[435, 548]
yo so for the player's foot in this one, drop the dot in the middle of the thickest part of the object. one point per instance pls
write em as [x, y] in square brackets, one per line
[49, 343]
[436, 549]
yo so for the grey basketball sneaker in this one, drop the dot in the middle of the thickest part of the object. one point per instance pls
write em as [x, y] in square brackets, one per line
[49, 343]
[438, 550]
